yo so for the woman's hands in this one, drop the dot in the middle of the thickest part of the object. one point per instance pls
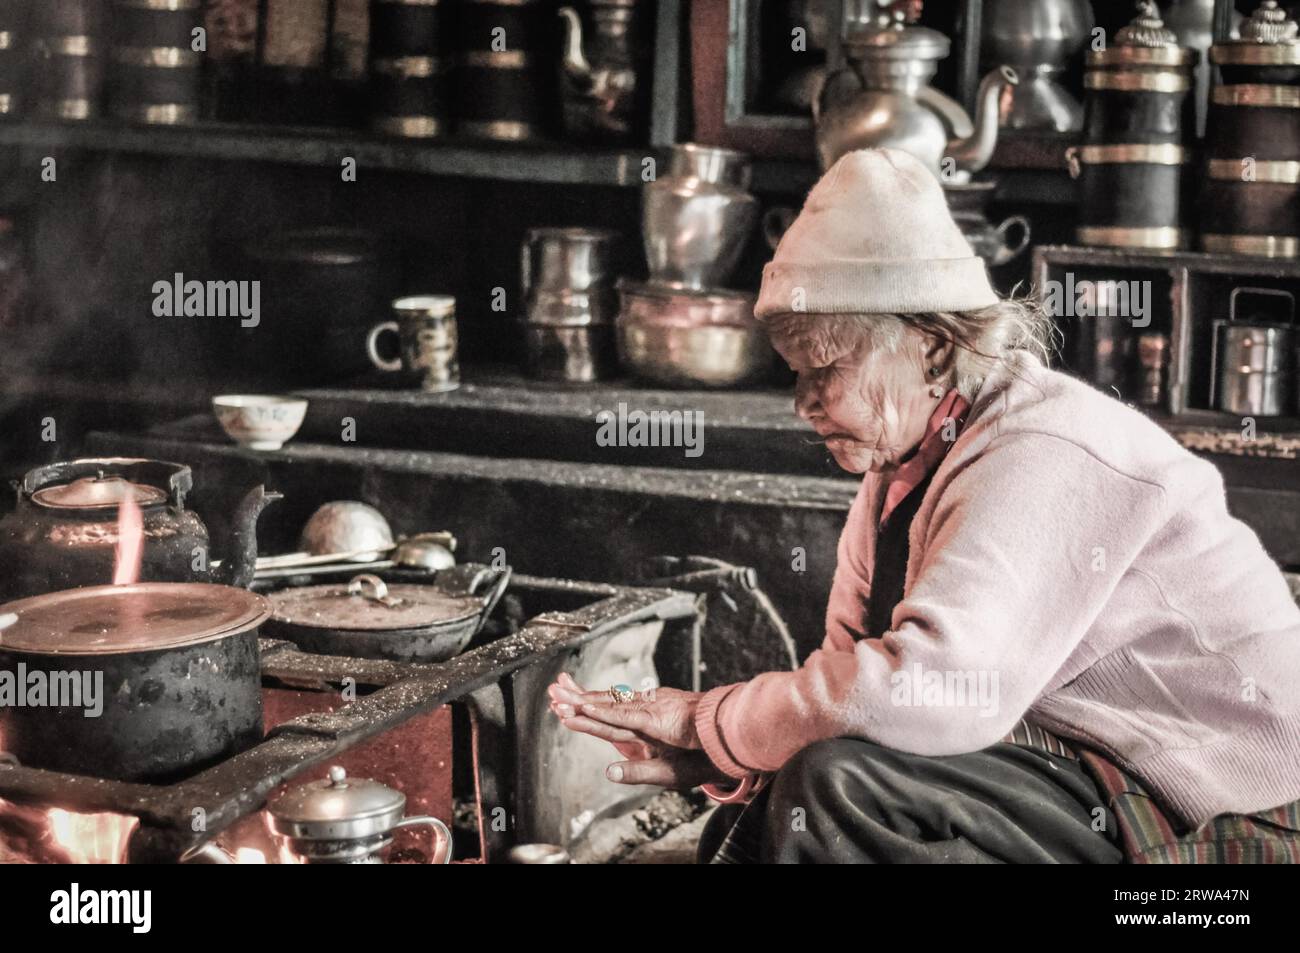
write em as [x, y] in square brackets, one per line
[655, 732]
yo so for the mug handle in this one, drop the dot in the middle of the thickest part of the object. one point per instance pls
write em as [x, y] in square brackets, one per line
[1006, 252]
[441, 836]
[372, 351]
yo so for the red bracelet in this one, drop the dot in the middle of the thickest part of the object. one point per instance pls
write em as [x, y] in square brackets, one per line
[734, 796]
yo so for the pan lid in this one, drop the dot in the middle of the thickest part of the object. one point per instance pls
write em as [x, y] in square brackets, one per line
[368, 604]
[113, 620]
[93, 492]
[335, 800]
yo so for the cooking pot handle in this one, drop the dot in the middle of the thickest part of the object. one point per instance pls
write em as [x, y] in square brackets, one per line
[441, 836]
[372, 350]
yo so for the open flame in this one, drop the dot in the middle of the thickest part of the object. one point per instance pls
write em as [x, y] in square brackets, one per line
[130, 541]
[91, 838]
[35, 835]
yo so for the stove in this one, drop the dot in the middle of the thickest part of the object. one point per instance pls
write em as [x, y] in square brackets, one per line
[475, 726]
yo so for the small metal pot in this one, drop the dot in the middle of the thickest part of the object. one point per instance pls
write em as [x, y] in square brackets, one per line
[344, 820]
[176, 668]
[367, 618]
[1252, 370]
[692, 339]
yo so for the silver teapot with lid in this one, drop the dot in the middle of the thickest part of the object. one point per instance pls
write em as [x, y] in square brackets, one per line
[887, 100]
[343, 820]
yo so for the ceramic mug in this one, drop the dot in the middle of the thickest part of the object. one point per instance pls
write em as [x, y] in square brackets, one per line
[426, 329]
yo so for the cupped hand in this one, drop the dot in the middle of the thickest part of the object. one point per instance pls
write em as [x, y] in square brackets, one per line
[655, 732]
[663, 715]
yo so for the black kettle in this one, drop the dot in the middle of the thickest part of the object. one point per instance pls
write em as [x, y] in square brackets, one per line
[63, 532]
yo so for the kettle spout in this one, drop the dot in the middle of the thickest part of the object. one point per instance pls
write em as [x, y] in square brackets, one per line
[974, 152]
[241, 562]
[575, 63]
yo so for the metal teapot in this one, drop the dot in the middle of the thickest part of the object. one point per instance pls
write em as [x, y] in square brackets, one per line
[63, 533]
[604, 75]
[342, 820]
[886, 101]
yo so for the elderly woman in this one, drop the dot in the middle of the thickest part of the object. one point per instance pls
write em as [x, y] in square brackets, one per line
[1043, 620]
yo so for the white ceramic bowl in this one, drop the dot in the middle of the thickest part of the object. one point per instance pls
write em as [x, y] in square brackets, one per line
[259, 421]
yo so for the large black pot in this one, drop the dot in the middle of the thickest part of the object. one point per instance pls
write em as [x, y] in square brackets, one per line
[322, 290]
[174, 668]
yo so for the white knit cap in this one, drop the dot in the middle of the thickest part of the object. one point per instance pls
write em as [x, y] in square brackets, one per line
[875, 236]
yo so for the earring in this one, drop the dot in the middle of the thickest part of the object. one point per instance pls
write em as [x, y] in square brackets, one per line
[934, 372]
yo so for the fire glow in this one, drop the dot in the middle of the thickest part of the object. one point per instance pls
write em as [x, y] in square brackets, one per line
[33, 835]
[130, 542]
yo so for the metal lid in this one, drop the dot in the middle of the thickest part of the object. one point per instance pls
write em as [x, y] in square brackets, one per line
[1268, 38]
[319, 246]
[888, 36]
[367, 604]
[337, 798]
[142, 617]
[1269, 24]
[1145, 41]
[96, 492]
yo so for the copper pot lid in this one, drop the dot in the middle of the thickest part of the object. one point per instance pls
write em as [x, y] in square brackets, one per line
[90, 493]
[142, 617]
[367, 604]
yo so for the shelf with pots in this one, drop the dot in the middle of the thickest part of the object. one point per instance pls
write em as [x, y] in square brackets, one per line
[1214, 350]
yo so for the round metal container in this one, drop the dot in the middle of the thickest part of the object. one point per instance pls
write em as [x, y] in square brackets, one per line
[1139, 123]
[1267, 50]
[1255, 370]
[692, 339]
[14, 40]
[572, 355]
[154, 75]
[410, 73]
[506, 94]
[322, 290]
[178, 670]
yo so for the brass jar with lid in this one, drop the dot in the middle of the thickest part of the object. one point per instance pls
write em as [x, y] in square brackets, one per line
[1139, 121]
[1251, 193]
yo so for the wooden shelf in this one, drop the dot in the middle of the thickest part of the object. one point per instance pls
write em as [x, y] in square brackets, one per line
[550, 163]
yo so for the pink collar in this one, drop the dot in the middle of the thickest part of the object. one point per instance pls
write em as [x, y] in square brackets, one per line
[929, 453]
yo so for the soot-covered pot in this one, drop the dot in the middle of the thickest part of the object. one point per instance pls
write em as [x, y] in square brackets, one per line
[64, 531]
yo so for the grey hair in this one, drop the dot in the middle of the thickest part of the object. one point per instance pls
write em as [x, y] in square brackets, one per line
[982, 339]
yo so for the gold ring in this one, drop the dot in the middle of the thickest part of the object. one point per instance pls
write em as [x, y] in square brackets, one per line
[621, 694]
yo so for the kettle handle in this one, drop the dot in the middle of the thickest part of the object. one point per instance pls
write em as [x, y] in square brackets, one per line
[441, 836]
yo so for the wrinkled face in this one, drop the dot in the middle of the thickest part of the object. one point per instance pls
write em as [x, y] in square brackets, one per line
[869, 405]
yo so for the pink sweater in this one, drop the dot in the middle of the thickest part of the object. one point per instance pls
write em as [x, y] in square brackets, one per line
[1072, 563]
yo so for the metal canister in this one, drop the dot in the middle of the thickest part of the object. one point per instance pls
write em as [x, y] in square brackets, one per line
[410, 70]
[1253, 362]
[570, 303]
[1250, 200]
[13, 59]
[1138, 127]
[155, 72]
[505, 86]
[68, 58]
